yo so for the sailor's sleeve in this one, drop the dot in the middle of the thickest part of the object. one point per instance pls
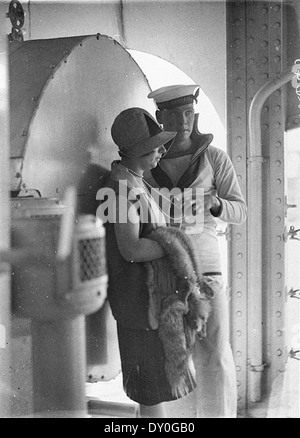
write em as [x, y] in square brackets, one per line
[233, 206]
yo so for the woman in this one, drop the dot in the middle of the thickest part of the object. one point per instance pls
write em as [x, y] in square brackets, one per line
[141, 144]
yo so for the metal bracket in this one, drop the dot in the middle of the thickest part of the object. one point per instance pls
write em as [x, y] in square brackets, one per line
[287, 205]
[293, 354]
[293, 293]
[258, 368]
[257, 158]
[17, 18]
[293, 233]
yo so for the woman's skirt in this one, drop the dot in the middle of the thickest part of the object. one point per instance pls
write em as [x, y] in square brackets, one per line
[143, 367]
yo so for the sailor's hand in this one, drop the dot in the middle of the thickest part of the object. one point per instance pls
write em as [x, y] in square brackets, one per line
[213, 204]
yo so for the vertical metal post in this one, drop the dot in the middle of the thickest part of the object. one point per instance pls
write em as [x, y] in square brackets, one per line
[255, 49]
[276, 104]
[255, 244]
[5, 315]
[257, 74]
[59, 370]
[236, 145]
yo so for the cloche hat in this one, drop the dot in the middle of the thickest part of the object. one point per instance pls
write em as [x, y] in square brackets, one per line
[136, 133]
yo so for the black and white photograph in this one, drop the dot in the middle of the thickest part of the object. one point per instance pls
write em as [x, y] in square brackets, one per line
[150, 211]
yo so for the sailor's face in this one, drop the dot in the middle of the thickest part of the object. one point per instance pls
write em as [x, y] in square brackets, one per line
[180, 119]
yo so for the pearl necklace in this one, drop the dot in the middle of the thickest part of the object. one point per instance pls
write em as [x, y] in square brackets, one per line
[149, 188]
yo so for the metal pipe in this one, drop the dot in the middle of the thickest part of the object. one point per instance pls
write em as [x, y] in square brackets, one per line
[254, 200]
[59, 371]
[65, 241]
[5, 314]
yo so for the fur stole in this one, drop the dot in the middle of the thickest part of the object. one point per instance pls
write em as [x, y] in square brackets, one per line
[178, 304]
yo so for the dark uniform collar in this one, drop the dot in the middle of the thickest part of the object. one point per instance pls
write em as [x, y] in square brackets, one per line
[162, 179]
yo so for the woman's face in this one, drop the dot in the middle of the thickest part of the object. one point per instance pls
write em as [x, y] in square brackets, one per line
[150, 160]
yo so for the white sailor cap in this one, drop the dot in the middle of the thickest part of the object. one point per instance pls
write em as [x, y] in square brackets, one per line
[175, 95]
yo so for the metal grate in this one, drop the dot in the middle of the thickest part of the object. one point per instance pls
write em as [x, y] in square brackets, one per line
[92, 259]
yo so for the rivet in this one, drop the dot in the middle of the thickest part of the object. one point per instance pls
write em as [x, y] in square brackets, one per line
[239, 139]
[238, 158]
[239, 177]
[277, 25]
[264, 11]
[278, 256]
[264, 44]
[276, 8]
[266, 75]
[264, 27]
[278, 293]
[239, 81]
[238, 119]
[265, 60]
[239, 275]
[278, 144]
[239, 293]
[239, 255]
[278, 180]
[238, 333]
[238, 236]
[277, 108]
[279, 352]
[277, 43]
[239, 353]
[277, 58]
[278, 163]
[238, 368]
[265, 126]
[251, 40]
[279, 333]
[238, 61]
[278, 238]
[278, 275]
[277, 124]
[239, 313]
[278, 219]
[238, 383]
[278, 314]
[251, 81]
[277, 92]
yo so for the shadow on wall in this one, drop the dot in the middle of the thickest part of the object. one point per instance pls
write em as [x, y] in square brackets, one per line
[94, 175]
